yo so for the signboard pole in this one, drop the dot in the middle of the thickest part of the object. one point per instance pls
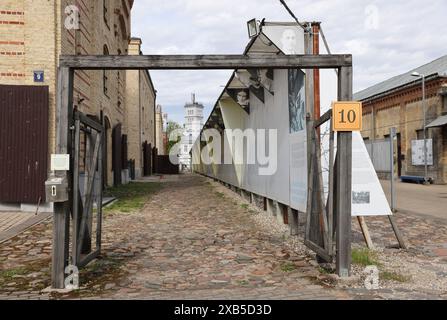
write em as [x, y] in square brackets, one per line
[393, 194]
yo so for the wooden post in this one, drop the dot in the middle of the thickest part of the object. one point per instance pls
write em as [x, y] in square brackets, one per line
[61, 216]
[293, 221]
[399, 237]
[365, 232]
[344, 182]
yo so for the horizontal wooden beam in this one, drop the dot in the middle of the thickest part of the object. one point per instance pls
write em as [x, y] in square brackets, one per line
[324, 118]
[195, 62]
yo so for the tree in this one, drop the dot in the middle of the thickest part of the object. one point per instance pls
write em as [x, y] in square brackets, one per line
[171, 126]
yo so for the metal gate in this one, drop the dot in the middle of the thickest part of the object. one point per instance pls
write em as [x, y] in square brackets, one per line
[87, 189]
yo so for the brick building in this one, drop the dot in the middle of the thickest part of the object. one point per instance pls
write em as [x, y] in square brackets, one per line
[33, 34]
[397, 102]
[140, 119]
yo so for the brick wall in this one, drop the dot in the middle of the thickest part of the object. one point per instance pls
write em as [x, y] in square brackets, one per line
[140, 120]
[33, 35]
[403, 110]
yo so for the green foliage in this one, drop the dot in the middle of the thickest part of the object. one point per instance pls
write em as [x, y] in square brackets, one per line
[9, 274]
[131, 197]
[288, 267]
[393, 276]
[170, 127]
[364, 257]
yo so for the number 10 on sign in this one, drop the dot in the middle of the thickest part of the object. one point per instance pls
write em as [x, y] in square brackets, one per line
[347, 116]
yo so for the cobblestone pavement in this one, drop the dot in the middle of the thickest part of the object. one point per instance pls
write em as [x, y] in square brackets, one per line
[193, 240]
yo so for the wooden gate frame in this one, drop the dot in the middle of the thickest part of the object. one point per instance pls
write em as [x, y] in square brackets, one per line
[64, 123]
[82, 205]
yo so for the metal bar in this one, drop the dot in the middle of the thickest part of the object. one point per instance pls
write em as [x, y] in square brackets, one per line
[392, 135]
[61, 217]
[291, 13]
[344, 181]
[316, 51]
[198, 62]
[326, 45]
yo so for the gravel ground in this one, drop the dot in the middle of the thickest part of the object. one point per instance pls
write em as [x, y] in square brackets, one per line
[408, 271]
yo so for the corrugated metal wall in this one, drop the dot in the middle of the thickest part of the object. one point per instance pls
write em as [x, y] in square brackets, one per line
[380, 154]
[23, 143]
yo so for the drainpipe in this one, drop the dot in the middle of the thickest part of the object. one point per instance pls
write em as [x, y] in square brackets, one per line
[316, 51]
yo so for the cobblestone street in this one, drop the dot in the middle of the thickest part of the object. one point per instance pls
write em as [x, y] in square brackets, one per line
[194, 239]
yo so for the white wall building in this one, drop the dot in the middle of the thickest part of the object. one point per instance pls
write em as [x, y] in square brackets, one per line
[193, 126]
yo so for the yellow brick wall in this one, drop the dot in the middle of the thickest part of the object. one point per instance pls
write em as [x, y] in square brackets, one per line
[32, 37]
[140, 105]
[28, 44]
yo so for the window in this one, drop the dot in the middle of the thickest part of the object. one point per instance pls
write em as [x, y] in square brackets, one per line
[105, 74]
[185, 148]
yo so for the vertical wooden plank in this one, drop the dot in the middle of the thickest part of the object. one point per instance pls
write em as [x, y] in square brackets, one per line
[89, 171]
[76, 204]
[61, 214]
[293, 221]
[344, 182]
[99, 198]
[330, 200]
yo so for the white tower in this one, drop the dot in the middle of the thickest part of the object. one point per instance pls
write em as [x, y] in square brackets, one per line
[193, 125]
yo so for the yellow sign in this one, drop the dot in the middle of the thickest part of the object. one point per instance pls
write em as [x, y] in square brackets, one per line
[347, 116]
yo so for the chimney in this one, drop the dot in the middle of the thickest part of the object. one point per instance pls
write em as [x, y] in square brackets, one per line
[443, 93]
[193, 98]
[135, 46]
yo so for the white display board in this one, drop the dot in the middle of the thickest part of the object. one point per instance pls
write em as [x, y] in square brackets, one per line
[368, 198]
[417, 152]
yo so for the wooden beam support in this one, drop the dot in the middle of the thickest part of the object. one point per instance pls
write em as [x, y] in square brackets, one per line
[61, 216]
[201, 62]
[365, 232]
[344, 182]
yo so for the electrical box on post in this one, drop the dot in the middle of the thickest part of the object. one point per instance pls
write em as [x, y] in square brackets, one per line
[56, 189]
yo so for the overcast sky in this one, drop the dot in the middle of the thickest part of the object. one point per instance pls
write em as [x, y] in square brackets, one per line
[385, 37]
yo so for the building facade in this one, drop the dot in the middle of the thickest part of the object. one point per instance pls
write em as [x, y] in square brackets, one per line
[140, 120]
[33, 35]
[397, 103]
[192, 128]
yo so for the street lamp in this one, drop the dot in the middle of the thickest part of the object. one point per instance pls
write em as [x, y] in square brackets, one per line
[418, 75]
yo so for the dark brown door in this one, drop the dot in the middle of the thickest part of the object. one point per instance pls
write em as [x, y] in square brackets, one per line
[117, 162]
[23, 143]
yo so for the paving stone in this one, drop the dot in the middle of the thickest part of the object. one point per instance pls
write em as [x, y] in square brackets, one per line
[211, 249]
